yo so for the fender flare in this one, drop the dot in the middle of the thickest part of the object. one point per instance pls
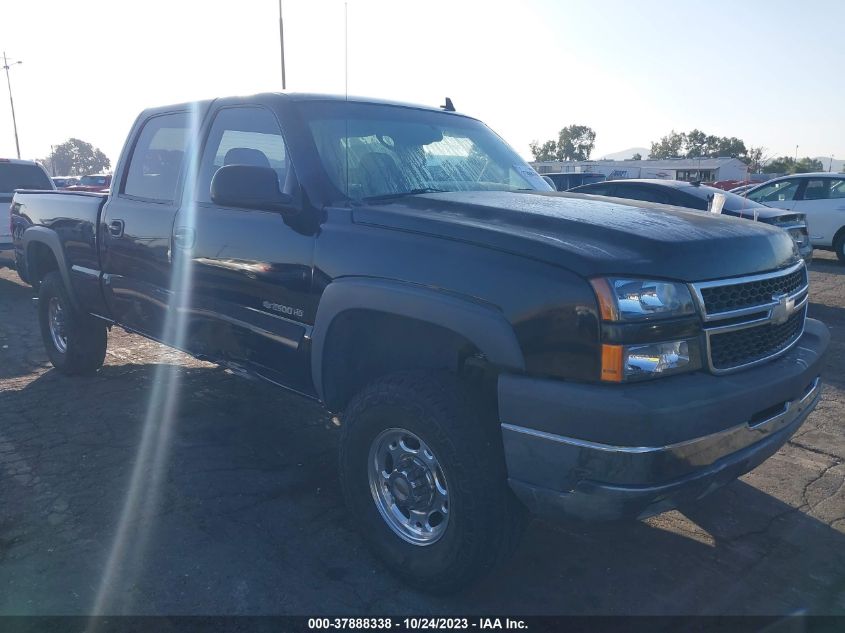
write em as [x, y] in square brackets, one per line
[48, 237]
[483, 325]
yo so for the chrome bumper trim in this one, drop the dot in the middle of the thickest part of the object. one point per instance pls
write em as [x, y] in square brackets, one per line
[703, 450]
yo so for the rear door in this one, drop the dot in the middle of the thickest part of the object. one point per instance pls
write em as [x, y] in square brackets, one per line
[249, 270]
[137, 224]
[823, 201]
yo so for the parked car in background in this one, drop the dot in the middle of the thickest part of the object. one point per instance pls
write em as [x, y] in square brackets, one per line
[16, 174]
[694, 196]
[819, 196]
[92, 182]
[564, 182]
[63, 182]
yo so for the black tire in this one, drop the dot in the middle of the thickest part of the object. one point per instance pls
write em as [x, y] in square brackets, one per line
[86, 337]
[839, 246]
[485, 519]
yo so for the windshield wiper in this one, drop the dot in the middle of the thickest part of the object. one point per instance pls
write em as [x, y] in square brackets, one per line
[402, 194]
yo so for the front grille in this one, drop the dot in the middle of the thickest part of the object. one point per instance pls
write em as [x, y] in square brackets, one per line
[748, 345]
[738, 296]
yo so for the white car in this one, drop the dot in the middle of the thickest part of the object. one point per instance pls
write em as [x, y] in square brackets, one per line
[819, 196]
[16, 174]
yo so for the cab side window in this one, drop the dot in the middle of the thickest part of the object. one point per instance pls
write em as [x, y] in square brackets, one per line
[781, 191]
[157, 158]
[243, 136]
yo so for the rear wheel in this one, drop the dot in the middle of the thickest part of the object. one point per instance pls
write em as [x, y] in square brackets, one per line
[75, 343]
[839, 246]
[424, 478]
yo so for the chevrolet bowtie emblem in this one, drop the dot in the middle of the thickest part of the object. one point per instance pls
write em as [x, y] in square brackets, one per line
[783, 309]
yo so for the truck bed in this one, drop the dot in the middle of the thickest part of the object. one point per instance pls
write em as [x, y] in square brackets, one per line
[73, 216]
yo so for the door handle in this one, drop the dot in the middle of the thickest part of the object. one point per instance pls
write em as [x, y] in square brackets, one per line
[116, 228]
[184, 237]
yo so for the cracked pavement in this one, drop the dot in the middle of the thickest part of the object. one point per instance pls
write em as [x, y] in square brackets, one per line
[237, 508]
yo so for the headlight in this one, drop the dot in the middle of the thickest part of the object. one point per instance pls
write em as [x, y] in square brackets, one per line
[641, 299]
[649, 360]
[623, 300]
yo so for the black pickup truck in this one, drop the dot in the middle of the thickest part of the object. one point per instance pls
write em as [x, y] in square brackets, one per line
[486, 343]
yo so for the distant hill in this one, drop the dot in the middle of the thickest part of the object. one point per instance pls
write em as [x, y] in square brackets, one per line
[838, 164]
[627, 153]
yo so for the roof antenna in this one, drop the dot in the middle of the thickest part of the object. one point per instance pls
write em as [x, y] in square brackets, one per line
[448, 105]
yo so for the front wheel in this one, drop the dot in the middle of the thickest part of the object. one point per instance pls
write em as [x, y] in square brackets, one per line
[76, 343]
[423, 476]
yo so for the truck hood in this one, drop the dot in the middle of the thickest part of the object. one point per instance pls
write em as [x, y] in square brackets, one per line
[592, 236]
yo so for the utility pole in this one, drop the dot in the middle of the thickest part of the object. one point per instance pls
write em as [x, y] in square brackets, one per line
[282, 44]
[53, 159]
[796, 153]
[12, 102]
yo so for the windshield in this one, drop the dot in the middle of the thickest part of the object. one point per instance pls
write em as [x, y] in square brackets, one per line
[93, 181]
[370, 151]
[15, 176]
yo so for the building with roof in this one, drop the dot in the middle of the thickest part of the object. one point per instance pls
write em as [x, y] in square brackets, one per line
[689, 169]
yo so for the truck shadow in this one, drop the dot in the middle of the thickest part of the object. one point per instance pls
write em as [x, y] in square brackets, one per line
[21, 351]
[825, 262]
[249, 520]
[834, 318]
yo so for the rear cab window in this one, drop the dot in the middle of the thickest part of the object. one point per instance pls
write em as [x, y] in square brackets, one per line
[157, 158]
[641, 192]
[16, 176]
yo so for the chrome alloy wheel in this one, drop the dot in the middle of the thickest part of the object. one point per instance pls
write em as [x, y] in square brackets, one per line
[56, 317]
[408, 486]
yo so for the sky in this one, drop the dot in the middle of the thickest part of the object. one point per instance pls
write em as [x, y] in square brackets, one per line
[769, 72]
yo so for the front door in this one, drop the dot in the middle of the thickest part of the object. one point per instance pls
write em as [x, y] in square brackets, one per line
[249, 270]
[137, 225]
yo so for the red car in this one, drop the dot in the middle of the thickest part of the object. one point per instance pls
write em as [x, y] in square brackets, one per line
[93, 182]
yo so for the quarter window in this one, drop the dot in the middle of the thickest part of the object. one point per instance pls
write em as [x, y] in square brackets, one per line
[243, 136]
[157, 158]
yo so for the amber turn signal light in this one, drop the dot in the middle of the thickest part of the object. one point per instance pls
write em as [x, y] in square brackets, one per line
[611, 363]
[607, 305]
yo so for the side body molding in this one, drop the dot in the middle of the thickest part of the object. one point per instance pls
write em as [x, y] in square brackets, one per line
[484, 326]
[49, 238]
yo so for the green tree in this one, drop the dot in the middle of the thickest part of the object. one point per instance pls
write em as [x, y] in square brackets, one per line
[546, 151]
[788, 165]
[75, 157]
[574, 142]
[636, 156]
[729, 146]
[670, 146]
[756, 159]
[697, 144]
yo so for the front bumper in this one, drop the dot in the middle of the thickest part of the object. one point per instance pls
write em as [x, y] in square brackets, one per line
[614, 451]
